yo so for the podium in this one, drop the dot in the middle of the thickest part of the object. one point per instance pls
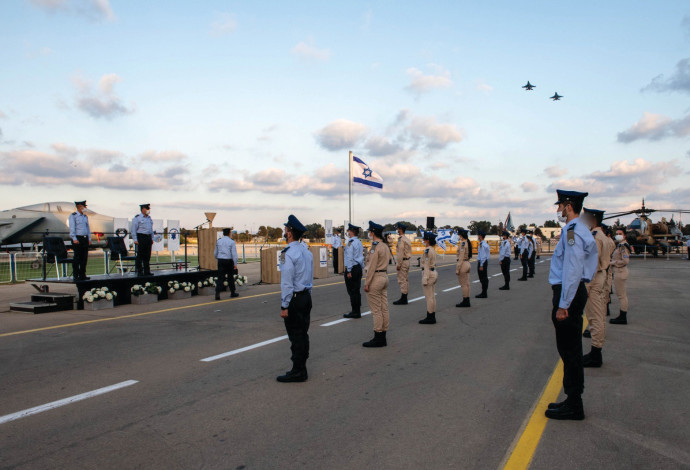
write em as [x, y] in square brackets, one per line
[270, 273]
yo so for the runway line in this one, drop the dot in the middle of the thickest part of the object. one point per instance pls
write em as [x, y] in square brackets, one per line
[246, 348]
[64, 401]
[451, 288]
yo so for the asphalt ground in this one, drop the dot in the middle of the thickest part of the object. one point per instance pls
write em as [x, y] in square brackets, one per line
[452, 395]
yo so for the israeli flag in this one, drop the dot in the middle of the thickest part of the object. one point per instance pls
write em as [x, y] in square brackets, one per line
[362, 174]
[444, 236]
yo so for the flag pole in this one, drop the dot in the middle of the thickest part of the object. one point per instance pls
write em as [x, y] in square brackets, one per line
[349, 186]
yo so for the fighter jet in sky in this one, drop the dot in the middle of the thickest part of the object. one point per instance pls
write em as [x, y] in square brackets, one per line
[556, 96]
[529, 86]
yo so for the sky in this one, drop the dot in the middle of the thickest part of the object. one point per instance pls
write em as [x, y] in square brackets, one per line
[249, 109]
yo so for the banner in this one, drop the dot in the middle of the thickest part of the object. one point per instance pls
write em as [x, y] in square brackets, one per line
[173, 235]
[121, 229]
[158, 242]
[444, 236]
[323, 257]
[329, 231]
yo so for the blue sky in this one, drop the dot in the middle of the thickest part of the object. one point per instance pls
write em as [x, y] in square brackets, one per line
[249, 108]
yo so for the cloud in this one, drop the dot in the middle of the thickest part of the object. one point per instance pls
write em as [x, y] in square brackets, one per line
[421, 83]
[678, 81]
[64, 149]
[341, 134]
[309, 52]
[162, 156]
[226, 206]
[223, 25]
[94, 10]
[101, 102]
[426, 131]
[484, 87]
[529, 187]
[555, 171]
[379, 146]
[655, 127]
[266, 133]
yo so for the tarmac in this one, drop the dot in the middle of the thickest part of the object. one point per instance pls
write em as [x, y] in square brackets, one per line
[191, 383]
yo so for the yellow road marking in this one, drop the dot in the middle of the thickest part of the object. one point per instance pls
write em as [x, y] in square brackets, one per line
[523, 451]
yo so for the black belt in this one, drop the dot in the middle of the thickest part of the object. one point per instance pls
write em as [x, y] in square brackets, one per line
[302, 292]
[381, 271]
[406, 259]
[144, 234]
[82, 236]
[430, 269]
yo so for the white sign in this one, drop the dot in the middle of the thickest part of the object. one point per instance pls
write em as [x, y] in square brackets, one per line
[158, 243]
[121, 228]
[323, 257]
[173, 235]
[329, 232]
[278, 264]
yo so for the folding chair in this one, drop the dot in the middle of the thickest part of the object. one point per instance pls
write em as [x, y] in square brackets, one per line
[118, 252]
[56, 252]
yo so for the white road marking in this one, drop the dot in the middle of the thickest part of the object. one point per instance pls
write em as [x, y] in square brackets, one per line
[65, 401]
[513, 270]
[343, 320]
[246, 348]
[474, 282]
[499, 274]
[452, 288]
[415, 299]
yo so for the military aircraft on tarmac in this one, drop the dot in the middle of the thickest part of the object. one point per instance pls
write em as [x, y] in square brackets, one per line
[529, 86]
[556, 96]
[643, 235]
[28, 224]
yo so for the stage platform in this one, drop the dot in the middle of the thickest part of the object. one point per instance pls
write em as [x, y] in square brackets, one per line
[122, 283]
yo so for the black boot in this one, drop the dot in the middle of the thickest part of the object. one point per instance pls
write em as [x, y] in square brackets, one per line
[465, 302]
[481, 296]
[523, 278]
[622, 319]
[429, 320]
[506, 287]
[378, 341]
[553, 406]
[593, 359]
[295, 375]
[353, 314]
[586, 334]
[608, 312]
[217, 296]
[570, 409]
[402, 300]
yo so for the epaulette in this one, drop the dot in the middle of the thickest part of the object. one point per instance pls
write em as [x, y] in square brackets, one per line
[571, 235]
[285, 249]
[426, 251]
[74, 213]
[594, 234]
[374, 243]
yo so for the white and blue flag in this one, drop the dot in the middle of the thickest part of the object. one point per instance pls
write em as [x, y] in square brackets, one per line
[444, 236]
[362, 174]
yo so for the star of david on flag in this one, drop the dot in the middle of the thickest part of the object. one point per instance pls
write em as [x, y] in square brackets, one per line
[362, 174]
[445, 236]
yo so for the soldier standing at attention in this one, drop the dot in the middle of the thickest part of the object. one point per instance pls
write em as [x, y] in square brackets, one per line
[403, 253]
[573, 263]
[620, 260]
[80, 233]
[226, 254]
[608, 286]
[483, 255]
[354, 264]
[376, 285]
[524, 255]
[462, 268]
[142, 235]
[296, 282]
[531, 252]
[504, 260]
[596, 301]
[517, 241]
[336, 247]
[429, 277]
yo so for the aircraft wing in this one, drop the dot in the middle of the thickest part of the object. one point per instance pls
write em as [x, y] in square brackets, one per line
[12, 229]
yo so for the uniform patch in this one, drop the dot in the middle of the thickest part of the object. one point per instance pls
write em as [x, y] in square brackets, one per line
[571, 237]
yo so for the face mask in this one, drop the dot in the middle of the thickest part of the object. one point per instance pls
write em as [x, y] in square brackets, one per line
[147, 211]
[561, 217]
[619, 238]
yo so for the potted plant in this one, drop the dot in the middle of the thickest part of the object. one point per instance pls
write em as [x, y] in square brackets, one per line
[99, 298]
[240, 280]
[179, 290]
[207, 286]
[146, 294]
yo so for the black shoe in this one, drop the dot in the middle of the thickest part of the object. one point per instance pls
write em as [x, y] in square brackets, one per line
[234, 294]
[608, 312]
[293, 376]
[553, 406]
[402, 300]
[352, 315]
[586, 334]
[465, 302]
[504, 288]
[429, 320]
[378, 341]
[571, 411]
[622, 319]
[593, 359]
[481, 296]
[217, 296]
[530, 275]
[522, 279]
[148, 274]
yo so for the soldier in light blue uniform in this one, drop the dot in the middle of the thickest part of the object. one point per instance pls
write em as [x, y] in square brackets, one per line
[296, 281]
[226, 254]
[504, 253]
[354, 264]
[574, 262]
[524, 253]
[531, 253]
[142, 235]
[336, 249]
[483, 255]
[80, 233]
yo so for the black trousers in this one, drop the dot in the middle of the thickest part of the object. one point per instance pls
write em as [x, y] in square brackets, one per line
[335, 260]
[353, 285]
[143, 254]
[505, 269]
[81, 257]
[226, 270]
[530, 263]
[297, 327]
[483, 275]
[517, 252]
[569, 340]
[523, 260]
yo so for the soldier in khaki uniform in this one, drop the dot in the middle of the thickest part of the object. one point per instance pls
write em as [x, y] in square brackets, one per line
[619, 261]
[403, 254]
[596, 302]
[376, 285]
[429, 277]
[462, 269]
[608, 286]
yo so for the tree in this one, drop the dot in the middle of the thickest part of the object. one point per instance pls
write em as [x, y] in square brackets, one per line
[409, 226]
[483, 225]
[538, 232]
[275, 233]
[522, 226]
[262, 232]
[315, 231]
[551, 224]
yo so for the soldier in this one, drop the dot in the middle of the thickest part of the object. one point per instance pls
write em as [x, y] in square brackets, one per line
[403, 253]
[142, 235]
[296, 282]
[226, 254]
[516, 245]
[80, 233]
[531, 253]
[429, 277]
[620, 260]
[354, 263]
[596, 302]
[573, 263]
[608, 286]
[336, 247]
[504, 260]
[483, 255]
[524, 253]
[462, 268]
[376, 285]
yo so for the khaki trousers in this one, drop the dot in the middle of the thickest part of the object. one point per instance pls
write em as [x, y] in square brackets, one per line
[429, 288]
[403, 273]
[377, 297]
[464, 278]
[596, 309]
[619, 278]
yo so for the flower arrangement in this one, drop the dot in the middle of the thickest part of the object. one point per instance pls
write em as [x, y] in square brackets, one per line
[98, 293]
[174, 286]
[240, 280]
[210, 282]
[148, 288]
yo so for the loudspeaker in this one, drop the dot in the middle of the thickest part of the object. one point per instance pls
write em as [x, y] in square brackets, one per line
[430, 223]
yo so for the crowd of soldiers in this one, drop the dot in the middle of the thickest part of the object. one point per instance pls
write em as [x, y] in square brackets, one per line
[585, 264]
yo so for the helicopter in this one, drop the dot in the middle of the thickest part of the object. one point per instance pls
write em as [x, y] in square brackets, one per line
[645, 236]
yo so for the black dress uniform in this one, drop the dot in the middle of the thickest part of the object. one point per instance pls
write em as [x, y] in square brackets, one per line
[80, 233]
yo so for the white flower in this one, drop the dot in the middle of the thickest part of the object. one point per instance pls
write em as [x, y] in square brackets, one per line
[239, 283]
[114, 293]
[104, 289]
[176, 286]
[199, 284]
[108, 297]
[186, 289]
[147, 284]
[172, 291]
[225, 283]
[159, 290]
[245, 279]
